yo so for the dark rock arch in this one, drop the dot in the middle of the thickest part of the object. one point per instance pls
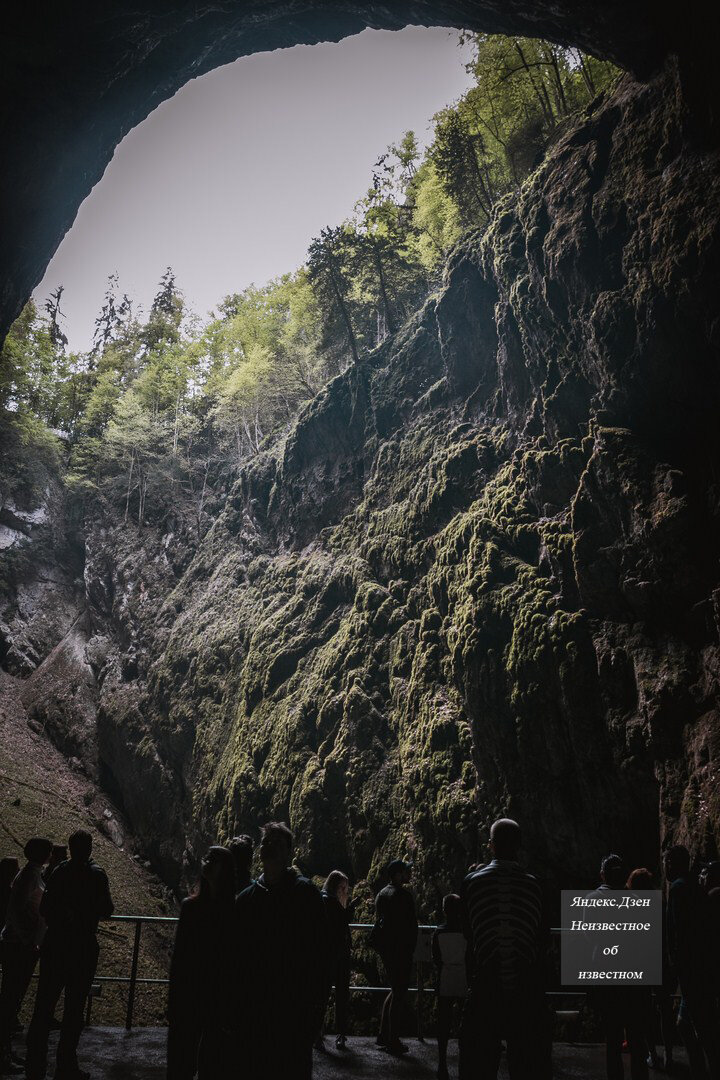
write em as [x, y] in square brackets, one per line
[77, 77]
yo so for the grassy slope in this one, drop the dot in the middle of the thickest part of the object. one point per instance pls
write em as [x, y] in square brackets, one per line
[41, 795]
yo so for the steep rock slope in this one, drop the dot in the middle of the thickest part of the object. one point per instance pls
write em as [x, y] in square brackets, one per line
[41, 793]
[480, 574]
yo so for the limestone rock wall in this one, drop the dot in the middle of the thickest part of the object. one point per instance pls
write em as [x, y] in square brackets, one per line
[478, 576]
[480, 573]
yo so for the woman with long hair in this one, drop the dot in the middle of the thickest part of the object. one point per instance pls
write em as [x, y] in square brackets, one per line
[200, 986]
[645, 1000]
[336, 895]
[449, 949]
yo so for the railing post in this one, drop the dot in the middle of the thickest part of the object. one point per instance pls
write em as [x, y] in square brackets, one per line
[420, 989]
[133, 976]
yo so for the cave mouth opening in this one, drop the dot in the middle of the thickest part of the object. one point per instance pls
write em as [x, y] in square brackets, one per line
[58, 144]
[228, 181]
[344, 207]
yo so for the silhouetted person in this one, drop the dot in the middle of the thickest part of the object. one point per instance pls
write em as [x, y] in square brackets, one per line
[9, 870]
[199, 994]
[20, 942]
[502, 915]
[643, 879]
[395, 936]
[621, 1009]
[710, 884]
[688, 943]
[449, 952]
[335, 895]
[242, 848]
[59, 855]
[76, 897]
[281, 940]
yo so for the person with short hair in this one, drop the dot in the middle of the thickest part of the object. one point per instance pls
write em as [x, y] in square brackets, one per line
[76, 898]
[502, 914]
[622, 1009]
[20, 942]
[336, 895]
[281, 941]
[690, 954]
[394, 936]
[59, 855]
[198, 996]
[242, 848]
[449, 952]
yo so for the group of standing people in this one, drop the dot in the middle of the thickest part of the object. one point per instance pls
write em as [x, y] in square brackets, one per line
[253, 966]
[255, 961]
[52, 906]
[691, 964]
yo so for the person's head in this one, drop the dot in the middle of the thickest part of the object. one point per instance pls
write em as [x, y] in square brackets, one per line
[399, 872]
[38, 850]
[612, 872]
[709, 876]
[242, 848]
[676, 861]
[276, 845]
[337, 884]
[452, 907]
[505, 838]
[80, 845]
[217, 874]
[9, 869]
[640, 879]
[59, 854]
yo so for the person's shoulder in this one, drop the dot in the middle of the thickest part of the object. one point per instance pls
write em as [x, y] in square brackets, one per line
[61, 871]
[307, 887]
[96, 872]
[247, 895]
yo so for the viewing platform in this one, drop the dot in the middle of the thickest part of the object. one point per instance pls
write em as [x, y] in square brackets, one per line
[116, 1054]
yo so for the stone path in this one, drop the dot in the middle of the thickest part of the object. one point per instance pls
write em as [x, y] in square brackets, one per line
[114, 1054]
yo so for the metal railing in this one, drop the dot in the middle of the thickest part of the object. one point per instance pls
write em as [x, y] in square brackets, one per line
[134, 979]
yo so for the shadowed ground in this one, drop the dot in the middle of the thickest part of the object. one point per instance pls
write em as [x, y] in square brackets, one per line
[114, 1054]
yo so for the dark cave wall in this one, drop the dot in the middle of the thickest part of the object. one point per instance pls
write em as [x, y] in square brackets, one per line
[77, 77]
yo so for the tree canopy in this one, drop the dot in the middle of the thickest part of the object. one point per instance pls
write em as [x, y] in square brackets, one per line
[165, 407]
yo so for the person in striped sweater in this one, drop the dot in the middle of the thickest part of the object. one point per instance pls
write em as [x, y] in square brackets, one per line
[502, 913]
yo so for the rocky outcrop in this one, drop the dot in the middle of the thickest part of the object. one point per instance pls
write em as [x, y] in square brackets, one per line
[41, 590]
[478, 576]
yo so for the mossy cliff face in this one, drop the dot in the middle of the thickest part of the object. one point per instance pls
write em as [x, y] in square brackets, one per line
[479, 576]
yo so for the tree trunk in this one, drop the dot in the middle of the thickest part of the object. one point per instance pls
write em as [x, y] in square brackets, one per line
[346, 318]
[389, 322]
[548, 116]
[129, 487]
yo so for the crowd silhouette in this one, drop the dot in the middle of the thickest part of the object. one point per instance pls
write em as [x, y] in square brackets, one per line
[255, 961]
[52, 907]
